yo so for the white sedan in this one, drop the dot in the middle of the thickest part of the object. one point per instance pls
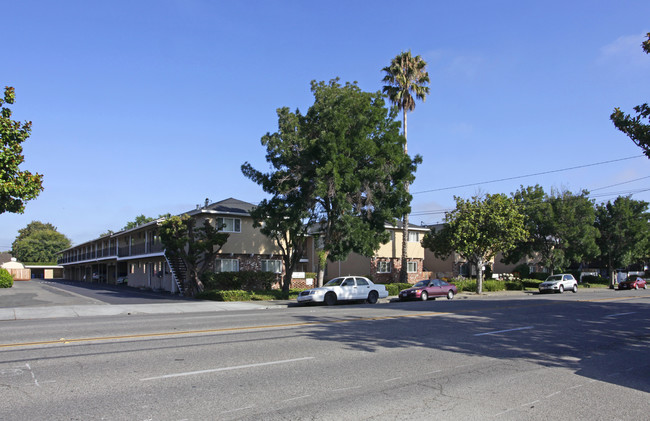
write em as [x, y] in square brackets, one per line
[344, 288]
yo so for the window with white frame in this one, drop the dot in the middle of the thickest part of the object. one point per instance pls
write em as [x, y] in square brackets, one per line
[412, 267]
[226, 265]
[383, 267]
[274, 266]
[414, 237]
[229, 224]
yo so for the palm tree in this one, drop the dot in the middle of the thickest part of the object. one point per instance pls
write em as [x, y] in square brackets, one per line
[406, 77]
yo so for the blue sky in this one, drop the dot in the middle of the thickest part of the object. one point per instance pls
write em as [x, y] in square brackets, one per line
[149, 107]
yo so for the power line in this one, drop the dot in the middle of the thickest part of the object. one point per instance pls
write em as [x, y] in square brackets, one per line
[528, 175]
[618, 184]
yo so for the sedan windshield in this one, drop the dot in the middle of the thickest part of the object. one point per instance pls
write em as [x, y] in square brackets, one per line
[421, 284]
[335, 282]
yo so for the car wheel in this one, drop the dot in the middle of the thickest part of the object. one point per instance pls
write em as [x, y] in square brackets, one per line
[450, 294]
[575, 288]
[561, 289]
[373, 297]
[636, 286]
[644, 286]
[330, 298]
[424, 296]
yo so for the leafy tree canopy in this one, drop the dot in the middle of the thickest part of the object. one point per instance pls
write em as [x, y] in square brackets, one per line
[636, 127]
[560, 226]
[342, 165]
[196, 246]
[39, 242]
[139, 220]
[478, 229]
[624, 231]
[16, 186]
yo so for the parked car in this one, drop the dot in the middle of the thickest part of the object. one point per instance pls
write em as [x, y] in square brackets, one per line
[429, 288]
[559, 283]
[632, 282]
[98, 277]
[344, 288]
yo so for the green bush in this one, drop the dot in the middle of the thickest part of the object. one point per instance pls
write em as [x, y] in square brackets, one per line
[591, 279]
[514, 285]
[6, 280]
[243, 280]
[394, 289]
[522, 269]
[532, 283]
[239, 295]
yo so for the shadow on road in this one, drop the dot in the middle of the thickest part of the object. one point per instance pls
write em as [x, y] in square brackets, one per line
[590, 338]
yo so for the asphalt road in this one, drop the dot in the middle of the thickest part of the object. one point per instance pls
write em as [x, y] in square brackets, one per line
[570, 356]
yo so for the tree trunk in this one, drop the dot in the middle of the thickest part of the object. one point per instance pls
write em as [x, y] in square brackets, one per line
[612, 274]
[479, 276]
[404, 277]
[322, 261]
[286, 283]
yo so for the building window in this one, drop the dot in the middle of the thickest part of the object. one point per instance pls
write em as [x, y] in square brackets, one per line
[414, 237]
[383, 267]
[412, 267]
[226, 265]
[229, 224]
[274, 266]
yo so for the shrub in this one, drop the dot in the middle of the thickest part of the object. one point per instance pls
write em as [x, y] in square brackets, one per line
[531, 283]
[239, 295]
[514, 285]
[394, 289]
[522, 269]
[539, 275]
[244, 280]
[464, 285]
[6, 280]
[591, 279]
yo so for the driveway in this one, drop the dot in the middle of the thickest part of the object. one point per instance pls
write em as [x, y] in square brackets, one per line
[61, 292]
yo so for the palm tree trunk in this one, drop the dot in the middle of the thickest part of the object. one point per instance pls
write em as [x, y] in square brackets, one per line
[405, 229]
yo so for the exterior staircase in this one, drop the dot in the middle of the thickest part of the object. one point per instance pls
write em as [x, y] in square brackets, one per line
[179, 271]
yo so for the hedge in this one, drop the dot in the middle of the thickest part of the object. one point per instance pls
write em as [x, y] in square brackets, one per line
[243, 280]
[239, 295]
[6, 280]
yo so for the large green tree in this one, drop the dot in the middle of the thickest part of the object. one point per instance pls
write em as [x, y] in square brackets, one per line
[636, 128]
[538, 218]
[560, 228]
[477, 230]
[139, 220]
[574, 233]
[196, 246]
[406, 80]
[16, 186]
[39, 242]
[624, 232]
[341, 167]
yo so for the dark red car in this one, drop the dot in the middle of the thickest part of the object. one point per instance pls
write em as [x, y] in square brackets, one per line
[632, 282]
[428, 288]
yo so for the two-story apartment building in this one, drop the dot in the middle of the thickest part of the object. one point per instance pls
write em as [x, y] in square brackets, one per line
[137, 256]
[386, 264]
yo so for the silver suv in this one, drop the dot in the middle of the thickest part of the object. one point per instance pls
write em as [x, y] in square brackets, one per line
[559, 283]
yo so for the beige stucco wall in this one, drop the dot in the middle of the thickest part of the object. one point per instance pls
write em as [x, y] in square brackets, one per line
[249, 241]
[143, 273]
[393, 249]
[355, 264]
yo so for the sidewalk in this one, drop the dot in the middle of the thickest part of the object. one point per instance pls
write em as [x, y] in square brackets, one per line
[51, 312]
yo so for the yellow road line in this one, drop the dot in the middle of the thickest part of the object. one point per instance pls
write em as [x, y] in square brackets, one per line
[63, 341]
[228, 329]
